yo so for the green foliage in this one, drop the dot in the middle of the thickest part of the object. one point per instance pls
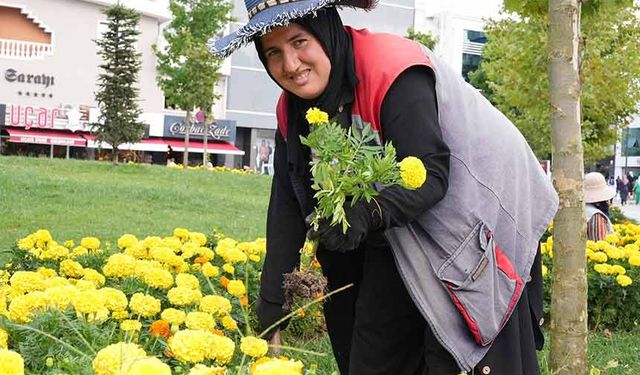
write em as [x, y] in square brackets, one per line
[426, 39]
[187, 72]
[117, 95]
[513, 75]
[346, 165]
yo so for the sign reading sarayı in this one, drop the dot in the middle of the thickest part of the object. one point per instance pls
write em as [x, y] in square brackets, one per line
[14, 76]
[64, 117]
[219, 130]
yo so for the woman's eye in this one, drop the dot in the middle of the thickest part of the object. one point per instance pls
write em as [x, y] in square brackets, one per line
[272, 53]
[299, 43]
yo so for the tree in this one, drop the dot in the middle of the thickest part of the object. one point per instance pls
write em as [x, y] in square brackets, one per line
[426, 39]
[117, 95]
[187, 72]
[513, 72]
[568, 354]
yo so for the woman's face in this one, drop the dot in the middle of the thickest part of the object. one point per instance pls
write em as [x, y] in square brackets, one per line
[296, 60]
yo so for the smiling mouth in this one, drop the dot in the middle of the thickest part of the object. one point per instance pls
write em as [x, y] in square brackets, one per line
[301, 78]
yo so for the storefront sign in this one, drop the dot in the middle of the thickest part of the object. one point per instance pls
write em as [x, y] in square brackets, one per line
[46, 140]
[64, 117]
[220, 130]
[12, 75]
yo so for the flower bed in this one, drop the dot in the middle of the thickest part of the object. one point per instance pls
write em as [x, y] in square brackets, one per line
[613, 275]
[160, 305]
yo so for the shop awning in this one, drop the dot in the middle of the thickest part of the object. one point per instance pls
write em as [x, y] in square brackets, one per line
[162, 145]
[45, 137]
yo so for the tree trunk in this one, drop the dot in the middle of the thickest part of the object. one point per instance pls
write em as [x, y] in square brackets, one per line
[205, 141]
[569, 333]
[114, 156]
[187, 130]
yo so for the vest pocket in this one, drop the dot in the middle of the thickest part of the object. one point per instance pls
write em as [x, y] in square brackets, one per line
[482, 284]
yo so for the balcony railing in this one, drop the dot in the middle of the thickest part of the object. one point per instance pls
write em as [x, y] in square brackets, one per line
[22, 50]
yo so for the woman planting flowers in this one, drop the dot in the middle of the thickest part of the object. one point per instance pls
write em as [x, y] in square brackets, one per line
[440, 267]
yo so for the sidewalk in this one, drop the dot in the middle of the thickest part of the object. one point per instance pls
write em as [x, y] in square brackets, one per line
[630, 210]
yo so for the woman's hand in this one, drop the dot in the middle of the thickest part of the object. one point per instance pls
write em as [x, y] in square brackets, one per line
[275, 343]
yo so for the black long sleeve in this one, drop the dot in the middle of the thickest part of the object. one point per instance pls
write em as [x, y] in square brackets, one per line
[409, 117]
[286, 229]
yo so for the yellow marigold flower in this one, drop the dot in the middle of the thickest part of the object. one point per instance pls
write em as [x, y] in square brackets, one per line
[61, 296]
[612, 238]
[228, 268]
[600, 257]
[88, 302]
[222, 349]
[236, 288]
[130, 325]
[255, 258]
[90, 243]
[545, 270]
[253, 346]
[148, 366]
[47, 272]
[120, 315]
[4, 338]
[186, 280]
[182, 296]
[22, 307]
[618, 269]
[191, 345]
[412, 172]
[11, 363]
[200, 320]
[27, 281]
[158, 278]
[201, 369]
[117, 358]
[635, 260]
[127, 240]
[592, 245]
[69, 244]
[56, 252]
[216, 305]
[119, 265]
[624, 280]
[137, 251]
[229, 323]
[602, 268]
[172, 242]
[70, 268]
[83, 285]
[114, 299]
[43, 236]
[235, 255]
[26, 243]
[173, 316]
[198, 238]
[210, 270]
[79, 251]
[144, 305]
[316, 116]
[93, 276]
[276, 366]
[181, 233]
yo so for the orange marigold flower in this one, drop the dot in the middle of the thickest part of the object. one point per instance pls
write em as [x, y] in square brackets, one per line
[319, 295]
[161, 328]
[200, 260]
[216, 331]
[244, 301]
[168, 353]
[316, 264]
[224, 281]
[301, 313]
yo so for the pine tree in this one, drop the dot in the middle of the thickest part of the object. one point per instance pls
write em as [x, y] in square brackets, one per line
[117, 95]
[187, 72]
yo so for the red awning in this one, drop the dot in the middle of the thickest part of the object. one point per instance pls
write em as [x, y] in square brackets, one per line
[45, 137]
[162, 145]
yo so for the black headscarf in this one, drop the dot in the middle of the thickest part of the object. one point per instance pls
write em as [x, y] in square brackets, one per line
[327, 27]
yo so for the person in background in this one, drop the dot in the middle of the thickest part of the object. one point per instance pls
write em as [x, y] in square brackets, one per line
[624, 190]
[636, 190]
[597, 195]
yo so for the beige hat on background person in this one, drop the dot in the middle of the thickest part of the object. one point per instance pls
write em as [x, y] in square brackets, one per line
[596, 188]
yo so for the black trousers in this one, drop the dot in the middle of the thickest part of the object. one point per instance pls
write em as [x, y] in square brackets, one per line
[376, 329]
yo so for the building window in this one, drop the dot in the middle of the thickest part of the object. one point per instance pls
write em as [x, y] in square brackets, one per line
[472, 51]
[631, 142]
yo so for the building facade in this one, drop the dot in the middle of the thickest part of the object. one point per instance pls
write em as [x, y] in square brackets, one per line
[49, 68]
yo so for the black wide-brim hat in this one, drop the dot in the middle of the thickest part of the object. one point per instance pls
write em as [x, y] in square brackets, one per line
[265, 15]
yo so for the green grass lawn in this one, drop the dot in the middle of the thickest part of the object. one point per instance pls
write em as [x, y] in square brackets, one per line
[74, 199]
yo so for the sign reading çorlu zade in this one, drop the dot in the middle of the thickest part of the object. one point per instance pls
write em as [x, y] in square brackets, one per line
[219, 130]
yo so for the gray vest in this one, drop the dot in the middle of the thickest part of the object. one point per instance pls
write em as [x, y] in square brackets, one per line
[466, 260]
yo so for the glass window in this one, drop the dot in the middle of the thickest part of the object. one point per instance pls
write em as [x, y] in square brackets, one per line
[631, 142]
[475, 36]
[469, 64]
